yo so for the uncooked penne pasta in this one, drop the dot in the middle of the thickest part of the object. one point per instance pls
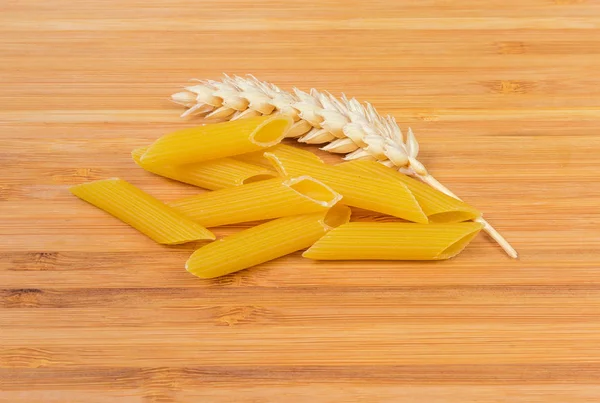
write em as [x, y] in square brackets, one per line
[358, 189]
[142, 211]
[262, 200]
[393, 241]
[214, 174]
[439, 207]
[264, 242]
[218, 140]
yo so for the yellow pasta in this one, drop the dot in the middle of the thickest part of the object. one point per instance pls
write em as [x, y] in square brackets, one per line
[142, 211]
[214, 174]
[376, 193]
[218, 140]
[264, 242]
[293, 153]
[262, 200]
[255, 158]
[439, 207]
[393, 241]
[258, 157]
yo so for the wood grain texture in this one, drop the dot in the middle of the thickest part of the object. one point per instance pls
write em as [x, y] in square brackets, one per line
[504, 98]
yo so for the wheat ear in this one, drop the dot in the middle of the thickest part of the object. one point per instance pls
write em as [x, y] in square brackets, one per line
[345, 125]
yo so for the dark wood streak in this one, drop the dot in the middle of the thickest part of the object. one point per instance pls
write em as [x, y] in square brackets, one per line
[122, 297]
[128, 377]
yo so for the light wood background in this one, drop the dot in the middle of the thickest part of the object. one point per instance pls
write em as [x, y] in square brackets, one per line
[504, 98]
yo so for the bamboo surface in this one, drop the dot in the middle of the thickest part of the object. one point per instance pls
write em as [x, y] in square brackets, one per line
[504, 99]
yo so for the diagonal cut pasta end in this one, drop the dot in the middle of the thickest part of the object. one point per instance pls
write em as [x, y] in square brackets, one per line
[137, 154]
[276, 163]
[457, 246]
[466, 214]
[258, 178]
[272, 131]
[313, 190]
[336, 216]
[283, 155]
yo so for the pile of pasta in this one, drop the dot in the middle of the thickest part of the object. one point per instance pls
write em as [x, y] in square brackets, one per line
[253, 177]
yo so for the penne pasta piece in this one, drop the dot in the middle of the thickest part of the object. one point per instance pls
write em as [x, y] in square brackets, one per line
[142, 211]
[218, 140]
[393, 241]
[214, 174]
[262, 200]
[359, 189]
[439, 207]
[264, 242]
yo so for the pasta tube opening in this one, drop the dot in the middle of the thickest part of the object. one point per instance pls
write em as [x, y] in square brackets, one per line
[270, 132]
[258, 178]
[256, 158]
[457, 246]
[281, 156]
[276, 163]
[314, 190]
[336, 216]
[451, 216]
[295, 153]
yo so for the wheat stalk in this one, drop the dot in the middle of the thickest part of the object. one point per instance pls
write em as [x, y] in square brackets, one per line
[345, 125]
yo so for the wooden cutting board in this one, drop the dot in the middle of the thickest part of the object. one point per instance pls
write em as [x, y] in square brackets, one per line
[504, 98]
